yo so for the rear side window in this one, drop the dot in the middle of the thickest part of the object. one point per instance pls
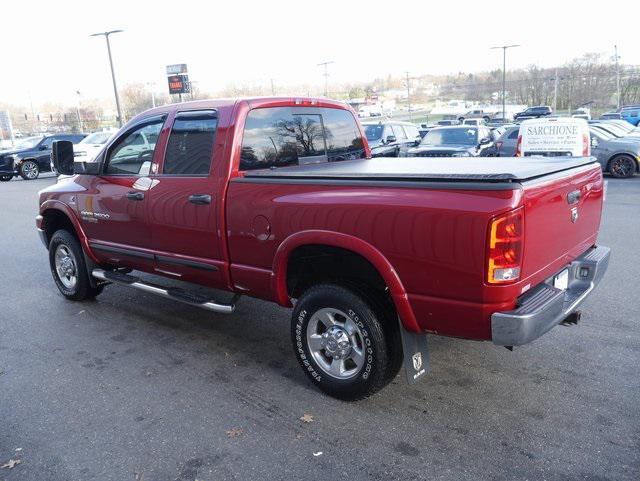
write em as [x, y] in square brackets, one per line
[412, 131]
[190, 145]
[343, 136]
[282, 136]
[514, 134]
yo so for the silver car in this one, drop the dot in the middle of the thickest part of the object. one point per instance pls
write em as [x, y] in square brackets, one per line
[618, 156]
[508, 141]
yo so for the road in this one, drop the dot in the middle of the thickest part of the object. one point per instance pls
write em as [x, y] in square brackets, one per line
[134, 387]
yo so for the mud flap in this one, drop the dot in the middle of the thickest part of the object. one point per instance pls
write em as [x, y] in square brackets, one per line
[416, 354]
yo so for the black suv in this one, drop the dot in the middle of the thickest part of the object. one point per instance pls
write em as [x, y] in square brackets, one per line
[456, 141]
[534, 112]
[31, 156]
[391, 138]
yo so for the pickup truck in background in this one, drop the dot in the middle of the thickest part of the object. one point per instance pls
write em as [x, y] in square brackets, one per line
[277, 198]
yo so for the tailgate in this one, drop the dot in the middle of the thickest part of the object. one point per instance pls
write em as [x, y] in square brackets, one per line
[562, 218]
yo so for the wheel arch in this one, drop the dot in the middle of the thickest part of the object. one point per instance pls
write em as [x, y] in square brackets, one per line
[56, 215]
[349, 243]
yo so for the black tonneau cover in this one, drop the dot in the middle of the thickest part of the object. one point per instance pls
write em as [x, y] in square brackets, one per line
[470, 169]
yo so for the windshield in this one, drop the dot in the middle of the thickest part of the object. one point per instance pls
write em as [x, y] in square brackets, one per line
[96, 138]
[373, 132]
[455, 136]
[28, 143]
[602, 134]
[609, 130]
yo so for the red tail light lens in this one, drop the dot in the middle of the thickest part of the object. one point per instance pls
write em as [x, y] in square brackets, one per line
[499, 144]
[519, 146]
[506, 235]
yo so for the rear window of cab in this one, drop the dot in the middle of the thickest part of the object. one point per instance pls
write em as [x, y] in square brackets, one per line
[284, 136]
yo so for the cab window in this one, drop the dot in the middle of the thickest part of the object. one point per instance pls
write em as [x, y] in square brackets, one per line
[132, 153]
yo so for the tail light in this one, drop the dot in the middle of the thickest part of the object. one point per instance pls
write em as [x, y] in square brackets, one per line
[519, 146]
[586, 147]
[506, 235]
[499, 144]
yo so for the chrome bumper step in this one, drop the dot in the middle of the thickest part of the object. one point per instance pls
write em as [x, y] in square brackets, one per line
[174, 293]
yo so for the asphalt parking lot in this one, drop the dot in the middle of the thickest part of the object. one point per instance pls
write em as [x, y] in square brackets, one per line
[134, 387]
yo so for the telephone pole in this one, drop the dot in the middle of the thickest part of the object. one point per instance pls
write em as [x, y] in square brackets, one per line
[617, 77]
[326, 76]
[273, 88]
[408, 81]
[555, 92]
[504, 72]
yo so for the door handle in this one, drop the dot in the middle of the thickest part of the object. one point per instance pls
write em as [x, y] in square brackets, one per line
[135, 195]
[200, 199]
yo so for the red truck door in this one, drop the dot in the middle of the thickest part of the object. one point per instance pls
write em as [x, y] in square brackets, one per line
[184, 198]
[113, 208]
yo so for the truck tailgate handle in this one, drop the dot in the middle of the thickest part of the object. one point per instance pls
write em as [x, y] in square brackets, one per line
[133, 195]
[200, 199]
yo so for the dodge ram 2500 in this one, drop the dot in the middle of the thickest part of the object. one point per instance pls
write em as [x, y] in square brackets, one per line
[278, 199]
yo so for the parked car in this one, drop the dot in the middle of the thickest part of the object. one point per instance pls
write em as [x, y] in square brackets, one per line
[618, 156]
[631, 114]
[616, 130]
[456, 141]
[391, 138]
[611, 116]
[375, 253]
[89, 147]
[474, 122]
[534, 112]
[506, 144]
[553, 137]
[447, 122]
[475, 114]
[31, 156]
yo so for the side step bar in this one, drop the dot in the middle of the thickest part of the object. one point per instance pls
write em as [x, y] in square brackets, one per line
[174, 293]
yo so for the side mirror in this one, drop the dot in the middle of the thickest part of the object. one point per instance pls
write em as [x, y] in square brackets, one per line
[594, 142]
[43, 147]
[485, 141]
[62, 157]
[391, 138]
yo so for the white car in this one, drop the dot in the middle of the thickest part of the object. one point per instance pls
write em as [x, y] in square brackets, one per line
[91, 145]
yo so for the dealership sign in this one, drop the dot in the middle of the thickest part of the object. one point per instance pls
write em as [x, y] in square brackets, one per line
[178, 79]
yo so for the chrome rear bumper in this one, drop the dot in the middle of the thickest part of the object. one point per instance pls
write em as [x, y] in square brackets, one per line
[545, 306]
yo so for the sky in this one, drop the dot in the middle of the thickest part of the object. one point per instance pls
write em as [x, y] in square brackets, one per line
[48, 55]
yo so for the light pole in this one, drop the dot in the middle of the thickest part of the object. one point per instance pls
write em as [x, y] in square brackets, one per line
[113, 75]
[78, 112]
[326, 77]
[504, 73]
[617, 77]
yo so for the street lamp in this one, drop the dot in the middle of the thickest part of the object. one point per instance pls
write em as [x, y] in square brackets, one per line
[113, 75]
[504, 73]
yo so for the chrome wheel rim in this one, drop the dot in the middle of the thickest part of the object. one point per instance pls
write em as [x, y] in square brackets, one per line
[30, 170]
[66, 266]
[336, 343]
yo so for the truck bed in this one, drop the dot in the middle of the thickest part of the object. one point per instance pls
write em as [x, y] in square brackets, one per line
[462, 169]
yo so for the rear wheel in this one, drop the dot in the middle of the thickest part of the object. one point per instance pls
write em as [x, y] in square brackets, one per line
[5, 178]
[343, 342]
[68, 267]
[622, 166]
[29, 170]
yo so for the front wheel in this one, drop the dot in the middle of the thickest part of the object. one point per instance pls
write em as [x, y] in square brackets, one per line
[622, 166]
[69, 269]
[29, 170]
[343, 343]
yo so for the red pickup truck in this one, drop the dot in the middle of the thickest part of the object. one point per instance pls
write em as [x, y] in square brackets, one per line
[278, 198]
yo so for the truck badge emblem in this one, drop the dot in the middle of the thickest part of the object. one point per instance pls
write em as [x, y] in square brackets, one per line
[417, 361]
[574, 214]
